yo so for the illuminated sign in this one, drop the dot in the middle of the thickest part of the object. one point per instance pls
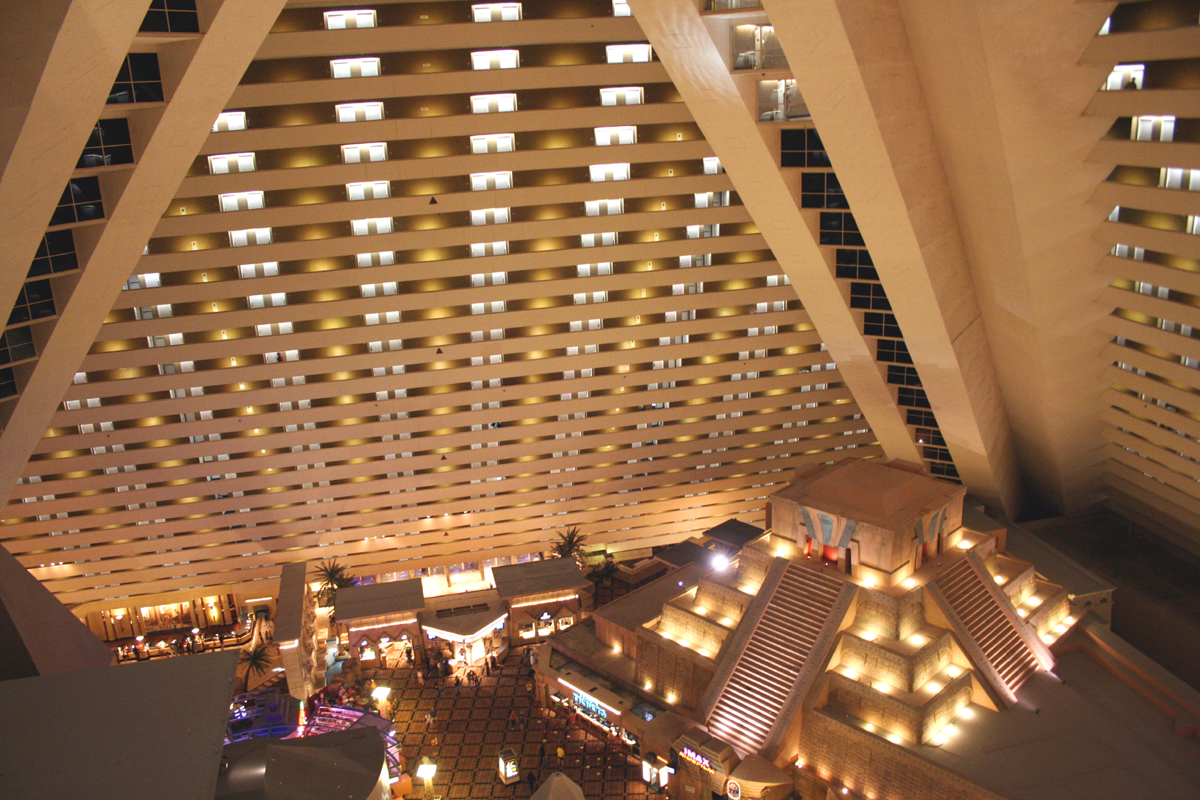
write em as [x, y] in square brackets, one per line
[688, 754]
[591, 705]
[508, 767]
[733, 790]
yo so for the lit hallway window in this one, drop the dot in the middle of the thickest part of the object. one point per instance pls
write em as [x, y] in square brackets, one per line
[496, 12]
[341, 20]
[495, 59]
[354, 67]
[230, 121]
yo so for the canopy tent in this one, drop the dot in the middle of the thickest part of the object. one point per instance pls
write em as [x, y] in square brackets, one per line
[558, 787]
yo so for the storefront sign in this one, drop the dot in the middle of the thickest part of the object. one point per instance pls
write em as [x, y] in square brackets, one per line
[733, 790]
[688, 754]
[588, 704]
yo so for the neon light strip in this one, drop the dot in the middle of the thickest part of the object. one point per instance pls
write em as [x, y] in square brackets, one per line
[564, 598]
[384, 625]
[585, 694]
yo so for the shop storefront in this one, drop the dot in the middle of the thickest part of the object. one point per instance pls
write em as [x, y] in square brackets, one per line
[378, 623]
[704, 765]
[710, 768]
[544, 597]
[386, 646]
[157, 621]
[460, 645]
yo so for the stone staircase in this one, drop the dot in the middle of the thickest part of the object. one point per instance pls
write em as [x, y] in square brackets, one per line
[774, 658]
[973, 602]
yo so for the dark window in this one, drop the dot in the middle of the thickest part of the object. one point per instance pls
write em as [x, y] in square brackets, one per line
[109, 144]
[56, 253]
[821, 190]
[892, 352]
[138, 80]
[802, 147]
[35, 301]
[918, 417]
[80, 201]
[855, 264]
[936, 453]
[878, 324]
[869, 295]
[902, 376]
[943, 470]
[16, 345]
[171, 16]
[839, 228]
[912, 397]
[8, 383]
[930, 436]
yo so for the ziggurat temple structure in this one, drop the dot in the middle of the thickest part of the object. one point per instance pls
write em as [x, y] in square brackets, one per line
[418, 285]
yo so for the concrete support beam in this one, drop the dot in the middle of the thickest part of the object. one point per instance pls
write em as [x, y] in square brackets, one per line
[698, 68]
[858, 75]
[59, 59]
[209, 70]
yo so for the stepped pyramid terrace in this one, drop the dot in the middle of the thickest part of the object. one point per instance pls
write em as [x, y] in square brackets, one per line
[876, 638]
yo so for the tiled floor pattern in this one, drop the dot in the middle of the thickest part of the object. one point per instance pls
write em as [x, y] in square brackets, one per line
[473, 725]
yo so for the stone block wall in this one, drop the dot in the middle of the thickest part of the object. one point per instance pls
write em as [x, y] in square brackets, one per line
[907, 673]
[878, 662]
[670, 668]
[753, 566]
[942, 708]
[700, 633]
[931, 659]
[615, 636]
[863, 702]
[1051, 612]
[787, 520]
[870, 766]
[911, 613]
[1022, 581]
[878, 612]
[720, 600]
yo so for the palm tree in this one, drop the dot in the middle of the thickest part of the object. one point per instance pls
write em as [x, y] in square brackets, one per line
[254, 661]
[570, 545]
[333, 577]
[603, 574]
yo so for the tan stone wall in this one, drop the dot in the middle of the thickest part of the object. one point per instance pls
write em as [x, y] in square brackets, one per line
[861, 701]
[942, 708]
[931, 659]
[753, 566]
[1050, 613]
[614, 636]
[875, 546]
[721, 601]
[878, 662]
[888, 616]
[786, 520]
[878, 612]
[700, 633]
[912, 613]
[672, 669]
[870, 766]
